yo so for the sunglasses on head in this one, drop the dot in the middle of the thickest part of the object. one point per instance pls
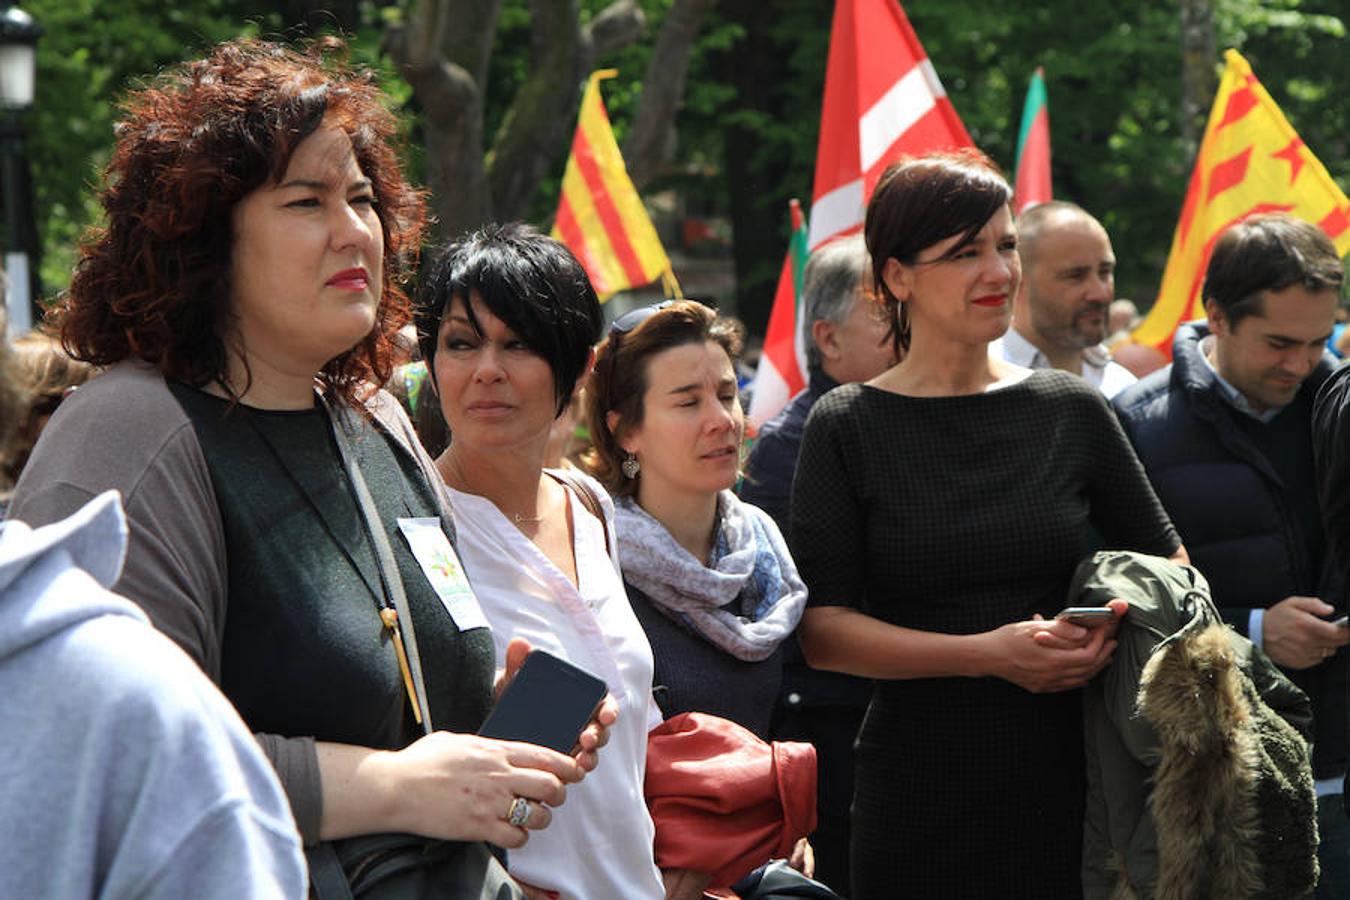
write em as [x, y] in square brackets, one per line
[635, 317]
[617, 329]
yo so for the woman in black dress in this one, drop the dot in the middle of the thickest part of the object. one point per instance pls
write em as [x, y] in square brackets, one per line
[938, 512]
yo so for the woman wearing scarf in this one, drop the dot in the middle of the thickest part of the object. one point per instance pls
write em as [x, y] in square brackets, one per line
[709, 577]
[506, 320]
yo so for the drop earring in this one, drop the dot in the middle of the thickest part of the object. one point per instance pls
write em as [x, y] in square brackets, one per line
[630, 466]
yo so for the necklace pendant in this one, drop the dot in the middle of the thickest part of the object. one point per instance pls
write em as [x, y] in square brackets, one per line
[390, 619]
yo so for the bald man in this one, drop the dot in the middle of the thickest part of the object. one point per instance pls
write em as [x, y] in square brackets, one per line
[1068, 283]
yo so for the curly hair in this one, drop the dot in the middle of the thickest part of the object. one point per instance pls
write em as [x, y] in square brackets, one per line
[44, 374]
[11, 406]
[154, 282]
[618, 382]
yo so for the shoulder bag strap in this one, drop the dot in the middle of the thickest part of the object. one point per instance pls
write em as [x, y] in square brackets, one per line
[338, 415]
[587, 497]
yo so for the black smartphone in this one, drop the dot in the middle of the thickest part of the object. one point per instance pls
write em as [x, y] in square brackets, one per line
[1087, 616]
[548, 703]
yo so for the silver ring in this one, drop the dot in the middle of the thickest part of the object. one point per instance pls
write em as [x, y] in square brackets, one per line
[519, 813]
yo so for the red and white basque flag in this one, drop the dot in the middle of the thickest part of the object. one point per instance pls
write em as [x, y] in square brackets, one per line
[883, 100]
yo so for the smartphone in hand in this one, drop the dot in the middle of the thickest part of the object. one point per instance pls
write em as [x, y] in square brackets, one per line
[548, 702]
[1087, 616]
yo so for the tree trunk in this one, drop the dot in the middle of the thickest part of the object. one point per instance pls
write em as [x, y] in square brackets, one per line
[536, 134]
[755, 66]
[537, 123]
[443, 51]
[651, 140]
[1198, 60]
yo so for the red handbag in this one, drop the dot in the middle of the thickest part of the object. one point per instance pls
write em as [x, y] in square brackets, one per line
[723, 800]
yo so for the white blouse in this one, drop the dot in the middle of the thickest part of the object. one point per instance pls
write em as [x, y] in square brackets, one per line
[599, 845]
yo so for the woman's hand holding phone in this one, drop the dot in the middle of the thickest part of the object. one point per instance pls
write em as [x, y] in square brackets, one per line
[1044, 656]
[461, 787]
[594, 735]
[465, 787]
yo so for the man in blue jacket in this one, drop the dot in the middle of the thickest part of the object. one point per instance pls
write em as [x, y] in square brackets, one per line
[1225, 434]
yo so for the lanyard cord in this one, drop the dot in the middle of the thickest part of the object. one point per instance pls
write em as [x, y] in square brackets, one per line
[398, 620]
[395, 614]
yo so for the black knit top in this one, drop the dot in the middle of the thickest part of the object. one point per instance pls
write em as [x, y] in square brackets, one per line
[693, 675]
[958, 515]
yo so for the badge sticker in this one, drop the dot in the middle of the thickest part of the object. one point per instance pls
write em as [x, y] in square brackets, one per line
[440, 564]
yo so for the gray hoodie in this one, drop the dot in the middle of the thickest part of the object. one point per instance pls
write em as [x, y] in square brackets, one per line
[124, 772]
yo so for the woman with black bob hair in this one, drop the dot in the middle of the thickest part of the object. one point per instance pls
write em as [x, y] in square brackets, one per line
[938, 513]
[507, 319]
[244, 294]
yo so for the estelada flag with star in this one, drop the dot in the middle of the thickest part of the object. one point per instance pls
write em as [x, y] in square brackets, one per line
[1251, 161]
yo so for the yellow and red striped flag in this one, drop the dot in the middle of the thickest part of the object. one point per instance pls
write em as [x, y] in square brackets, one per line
[1251, 161]
[600, 216]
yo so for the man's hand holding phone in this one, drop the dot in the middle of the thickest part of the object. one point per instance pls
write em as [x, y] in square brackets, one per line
[1296, 634]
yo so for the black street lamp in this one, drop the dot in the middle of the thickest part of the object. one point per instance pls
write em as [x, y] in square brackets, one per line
[18, 70]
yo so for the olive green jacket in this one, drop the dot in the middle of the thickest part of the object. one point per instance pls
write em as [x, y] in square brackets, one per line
[1199, 771]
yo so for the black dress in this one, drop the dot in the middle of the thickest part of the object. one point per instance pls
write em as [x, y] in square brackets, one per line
[959, 515]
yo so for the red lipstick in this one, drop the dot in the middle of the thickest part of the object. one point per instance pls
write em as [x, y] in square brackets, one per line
[991, 300]
[355, 279]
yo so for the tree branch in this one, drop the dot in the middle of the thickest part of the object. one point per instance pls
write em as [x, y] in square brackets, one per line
[651, 140]
[614, 27]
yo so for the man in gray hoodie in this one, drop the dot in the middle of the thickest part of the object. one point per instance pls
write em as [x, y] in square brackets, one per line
[125, 772]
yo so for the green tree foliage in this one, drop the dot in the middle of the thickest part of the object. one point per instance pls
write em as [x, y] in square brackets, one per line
[91, 51]
[748, 128]
[1113, 79]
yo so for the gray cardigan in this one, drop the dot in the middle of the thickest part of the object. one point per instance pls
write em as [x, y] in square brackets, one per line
[125, 431]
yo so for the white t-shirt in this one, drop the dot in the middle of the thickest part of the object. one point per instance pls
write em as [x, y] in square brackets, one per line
[599, 845]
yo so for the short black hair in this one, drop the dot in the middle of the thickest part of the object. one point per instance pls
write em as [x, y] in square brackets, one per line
[531, 282]
[1268, 253]
[923, 200]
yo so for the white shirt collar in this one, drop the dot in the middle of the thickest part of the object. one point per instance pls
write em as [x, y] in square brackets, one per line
[1098, 369]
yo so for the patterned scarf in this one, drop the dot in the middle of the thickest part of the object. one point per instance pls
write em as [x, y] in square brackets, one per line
[747, 602]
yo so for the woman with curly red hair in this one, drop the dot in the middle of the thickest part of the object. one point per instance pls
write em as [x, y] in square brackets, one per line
[244, 295]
